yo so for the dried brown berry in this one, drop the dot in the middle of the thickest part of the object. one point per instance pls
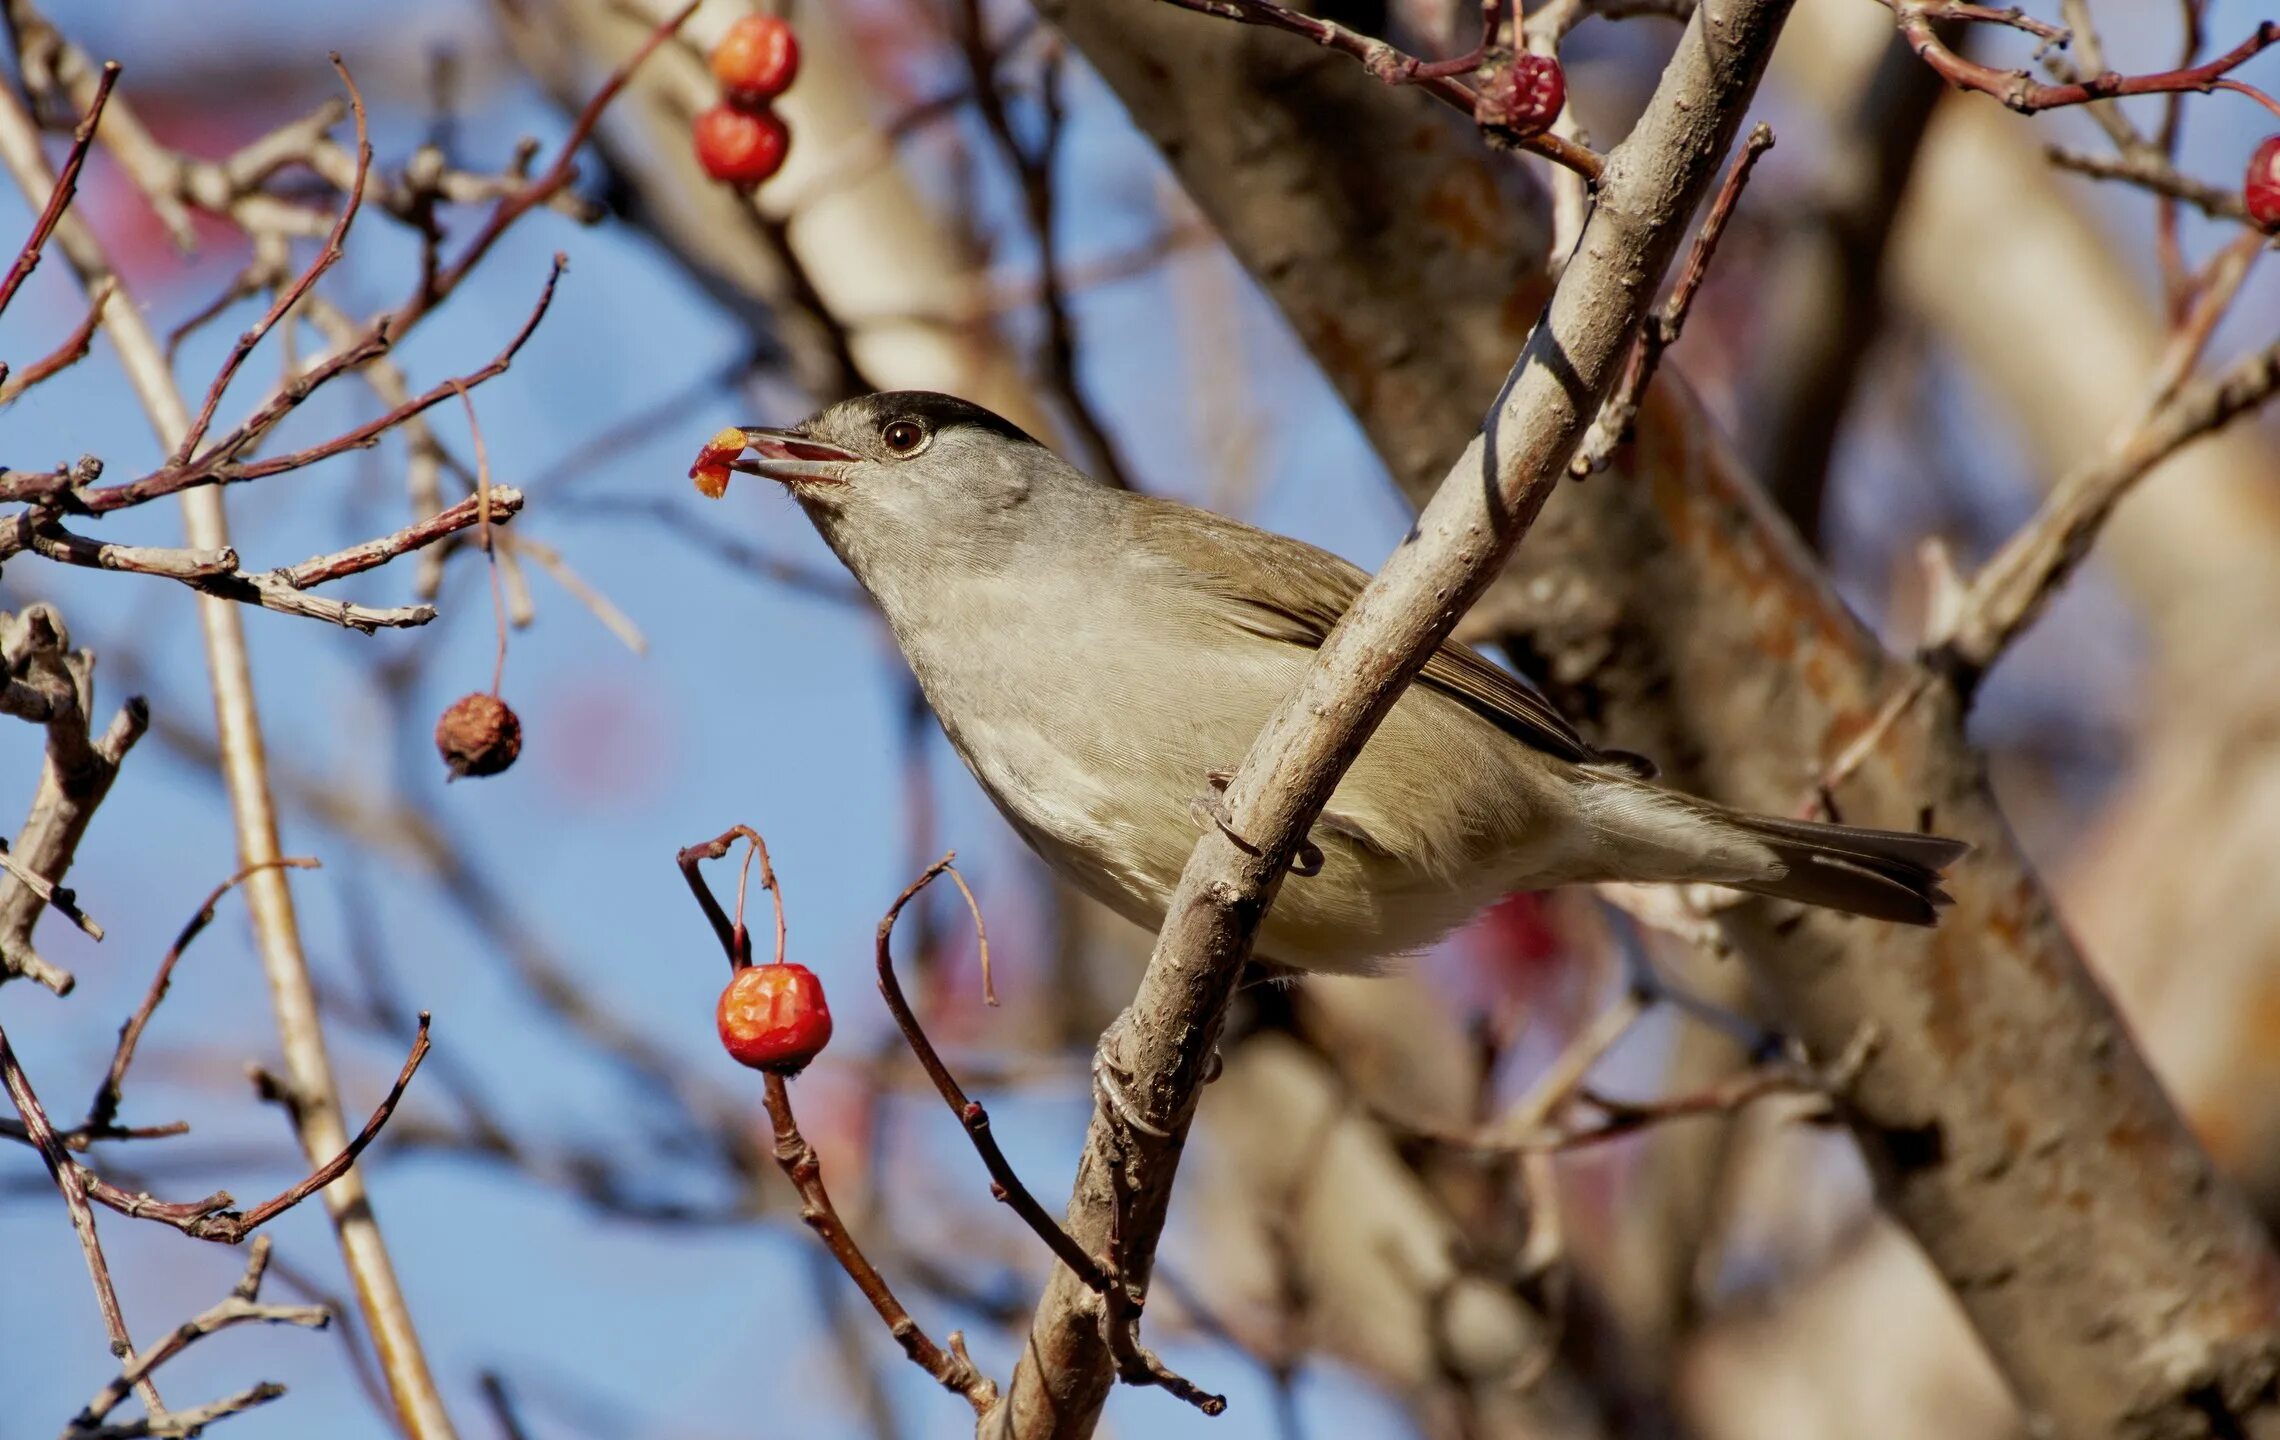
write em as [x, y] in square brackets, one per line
[478, 735]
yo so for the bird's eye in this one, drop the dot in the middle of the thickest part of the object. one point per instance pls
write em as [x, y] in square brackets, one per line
[904, 437]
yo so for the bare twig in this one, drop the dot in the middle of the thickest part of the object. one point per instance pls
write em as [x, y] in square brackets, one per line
[2020, 91]
[2151, 172]
[214, 465]
[1660, 332]
[105, 1107]
[68, 1179]
[213, 1218]
[65, 355]
[326, 258]
[1123, 1302]
[210, 572]
[505, 504]
[549, 182]
[1387, 63]
[2014, 587]
[1617, 1119]
[242, 1306]
[66, 186]
[54, 685]
[950, 1366]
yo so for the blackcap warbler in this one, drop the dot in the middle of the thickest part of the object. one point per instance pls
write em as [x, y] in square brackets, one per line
[1101, 660]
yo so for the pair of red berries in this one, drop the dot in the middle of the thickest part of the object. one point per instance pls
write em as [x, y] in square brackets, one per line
[742, 141]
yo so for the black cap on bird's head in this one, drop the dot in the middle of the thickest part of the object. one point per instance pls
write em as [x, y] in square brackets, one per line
[911, 484]
[886, 429]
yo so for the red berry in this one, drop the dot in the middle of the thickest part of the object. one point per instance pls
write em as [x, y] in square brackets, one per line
[756, 59]
[711, 470]
[740, 146]
[478, 735]
[2261, 190]
[1525, 97]
[772, 1017]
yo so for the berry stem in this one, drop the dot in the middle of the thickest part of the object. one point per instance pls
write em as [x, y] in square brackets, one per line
[735, 940]
[483, 534]
[2243, 88]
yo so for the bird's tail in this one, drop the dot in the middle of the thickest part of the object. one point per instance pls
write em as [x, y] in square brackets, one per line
[1884, 874]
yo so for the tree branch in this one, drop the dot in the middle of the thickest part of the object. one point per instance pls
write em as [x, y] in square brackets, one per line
[1487, 502]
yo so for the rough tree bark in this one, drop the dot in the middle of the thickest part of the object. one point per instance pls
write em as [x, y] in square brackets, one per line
[2121, 1286]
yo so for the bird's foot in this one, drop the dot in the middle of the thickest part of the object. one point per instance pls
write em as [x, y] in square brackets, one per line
[1211, 809]
[1110, 1076]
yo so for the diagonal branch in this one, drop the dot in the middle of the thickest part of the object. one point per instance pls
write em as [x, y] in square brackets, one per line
[1484, 505]
[70, 1180]
[66, 186]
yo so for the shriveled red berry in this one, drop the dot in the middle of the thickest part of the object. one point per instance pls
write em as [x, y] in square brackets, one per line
[740, 146]
[756, 60]
[1524, 97]
[478, 735]
[711, 470]
[772, 1017]
[2261, 189]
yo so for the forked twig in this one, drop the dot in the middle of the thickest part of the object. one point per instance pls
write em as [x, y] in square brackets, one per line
[949, 1364]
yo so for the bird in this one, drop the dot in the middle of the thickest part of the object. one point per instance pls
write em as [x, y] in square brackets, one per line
[1101, 659]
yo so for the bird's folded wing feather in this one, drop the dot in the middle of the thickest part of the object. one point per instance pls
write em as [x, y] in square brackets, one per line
[1288, 590]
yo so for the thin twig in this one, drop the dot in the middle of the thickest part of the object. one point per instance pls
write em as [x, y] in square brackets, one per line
[69, 353]
[1391, 65]
[1005, 1184]
[213, 1218]
[2020, 91]
[327, 257]
[1122, 1302]
[2153, 173]
[68, 1179]
[951, 1366]
[356, 559]
[555, 178]
[1658, 333]
[66, 186]
[213, 468]
[242, 1306]
[105, 1107]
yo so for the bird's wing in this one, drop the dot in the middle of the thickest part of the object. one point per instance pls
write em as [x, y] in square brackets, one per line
[1294, 592]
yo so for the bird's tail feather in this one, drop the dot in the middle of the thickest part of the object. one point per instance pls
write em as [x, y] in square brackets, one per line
[1884, 874]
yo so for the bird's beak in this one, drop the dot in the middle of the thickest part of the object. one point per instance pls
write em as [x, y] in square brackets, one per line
[793, 459]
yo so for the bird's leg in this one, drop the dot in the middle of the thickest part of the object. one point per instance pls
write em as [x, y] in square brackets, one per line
[1212, 809]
